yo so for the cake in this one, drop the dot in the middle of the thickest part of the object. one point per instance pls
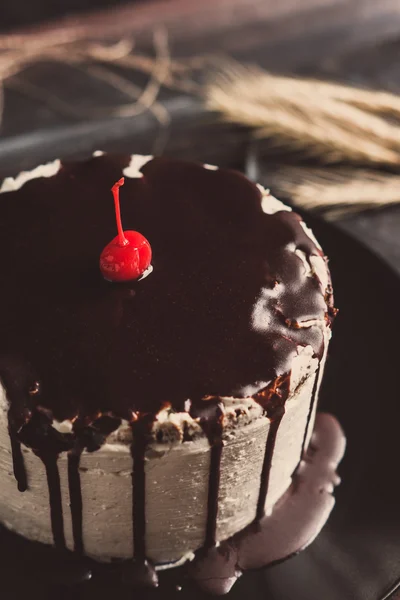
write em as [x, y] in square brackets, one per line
[149, 421]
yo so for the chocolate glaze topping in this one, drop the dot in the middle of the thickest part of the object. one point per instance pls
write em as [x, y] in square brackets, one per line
[75, 494]
[218, 316]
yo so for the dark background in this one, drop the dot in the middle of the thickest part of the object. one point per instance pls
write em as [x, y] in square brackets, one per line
[20, 13]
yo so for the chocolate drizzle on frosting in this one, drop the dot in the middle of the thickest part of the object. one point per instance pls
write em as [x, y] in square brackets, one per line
[210, 413]
[221, 315]
[75, 495]
[213, 490]
[18, 461]
[273, 400]
[139, 493]
[56, 512]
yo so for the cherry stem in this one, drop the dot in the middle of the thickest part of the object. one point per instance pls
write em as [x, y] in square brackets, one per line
[122, 241]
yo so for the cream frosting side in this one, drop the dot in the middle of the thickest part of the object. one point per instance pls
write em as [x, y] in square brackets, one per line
[176, 476]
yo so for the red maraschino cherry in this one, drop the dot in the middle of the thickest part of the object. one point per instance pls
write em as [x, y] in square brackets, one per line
[128, 255]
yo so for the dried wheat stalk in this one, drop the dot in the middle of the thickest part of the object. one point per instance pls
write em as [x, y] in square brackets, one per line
[303, 115]
[335, 122]
[336, 192]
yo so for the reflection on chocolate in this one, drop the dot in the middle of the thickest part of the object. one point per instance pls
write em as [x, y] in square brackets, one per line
[220, 315]
[75, 494]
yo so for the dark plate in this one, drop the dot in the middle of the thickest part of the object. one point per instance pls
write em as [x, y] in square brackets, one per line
[357, 555]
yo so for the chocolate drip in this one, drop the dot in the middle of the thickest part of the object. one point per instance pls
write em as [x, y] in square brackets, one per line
[21, 387]
[218, 315]
[296, 521]
[18, 461]
[141, 572]
[266, 468]
[310, 412]
[47, 443]
[56, 511]
[273, 400]
[75, 496]
[210, 413]
[91, 437]
[213, 491]
[139, 492]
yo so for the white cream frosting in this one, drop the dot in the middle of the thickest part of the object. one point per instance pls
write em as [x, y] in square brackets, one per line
[137, 162]
[11, 184]
[269, 203]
